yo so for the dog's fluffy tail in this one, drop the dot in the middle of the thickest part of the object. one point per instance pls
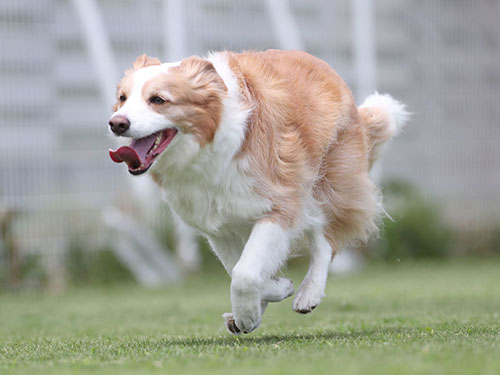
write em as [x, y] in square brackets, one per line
[383, 117]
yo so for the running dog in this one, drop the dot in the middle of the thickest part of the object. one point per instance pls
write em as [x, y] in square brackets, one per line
[260, 152]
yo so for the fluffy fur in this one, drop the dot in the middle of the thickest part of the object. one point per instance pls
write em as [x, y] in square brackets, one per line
[270, 150]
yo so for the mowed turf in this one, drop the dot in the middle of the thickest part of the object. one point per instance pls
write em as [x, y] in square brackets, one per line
[402, 318]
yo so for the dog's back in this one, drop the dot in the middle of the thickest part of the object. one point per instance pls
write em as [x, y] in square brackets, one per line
[305, 135]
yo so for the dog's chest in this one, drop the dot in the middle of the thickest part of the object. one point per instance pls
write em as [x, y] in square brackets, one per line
[212, 200]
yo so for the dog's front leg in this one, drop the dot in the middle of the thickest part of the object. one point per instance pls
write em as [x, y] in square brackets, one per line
[266, 250]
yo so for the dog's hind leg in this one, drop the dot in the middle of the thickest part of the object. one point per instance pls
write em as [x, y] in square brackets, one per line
[312, 288]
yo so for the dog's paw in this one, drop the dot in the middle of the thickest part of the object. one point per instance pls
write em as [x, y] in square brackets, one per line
[245, 325]
[277, 290]
[246, 301]
[230, 324]
[307, 299]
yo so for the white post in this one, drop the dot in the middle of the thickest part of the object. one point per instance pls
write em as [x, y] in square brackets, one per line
[284, 24]
[161, 268]
[175, 38]
[99, 47]
[365, 57]
[363, 13]
[363, 23]
[176, 48]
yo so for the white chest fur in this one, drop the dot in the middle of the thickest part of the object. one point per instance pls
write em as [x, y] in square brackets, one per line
[209, 197]
[212, 189]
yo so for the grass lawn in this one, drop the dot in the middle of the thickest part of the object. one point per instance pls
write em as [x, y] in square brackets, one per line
[404, 318]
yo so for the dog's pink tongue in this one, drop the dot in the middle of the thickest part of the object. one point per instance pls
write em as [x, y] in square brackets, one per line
[126, 154]
[135, 154]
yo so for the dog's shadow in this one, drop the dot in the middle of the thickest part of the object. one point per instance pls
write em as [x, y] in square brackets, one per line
[273, 339]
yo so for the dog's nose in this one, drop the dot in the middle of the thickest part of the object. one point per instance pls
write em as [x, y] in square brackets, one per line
[119, 124]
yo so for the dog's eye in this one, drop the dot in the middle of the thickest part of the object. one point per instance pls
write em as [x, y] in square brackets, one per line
[156, 100]
[123, 98]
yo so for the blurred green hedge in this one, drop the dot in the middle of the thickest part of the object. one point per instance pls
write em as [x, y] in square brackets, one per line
[415, 228]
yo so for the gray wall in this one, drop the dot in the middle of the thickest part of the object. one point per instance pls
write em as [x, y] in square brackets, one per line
[439, 57]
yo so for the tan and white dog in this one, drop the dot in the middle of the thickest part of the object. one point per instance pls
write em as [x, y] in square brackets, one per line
[259, 151]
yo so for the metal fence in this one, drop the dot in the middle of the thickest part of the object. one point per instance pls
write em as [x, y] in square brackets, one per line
[440, 57]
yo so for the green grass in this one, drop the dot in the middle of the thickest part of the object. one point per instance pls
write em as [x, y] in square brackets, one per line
[402, 318]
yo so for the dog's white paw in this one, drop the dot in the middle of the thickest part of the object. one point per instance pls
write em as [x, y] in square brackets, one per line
[230, 324]
[246, 301]
[245, 324]
[277, 290]
[247, 314]
[307, 298]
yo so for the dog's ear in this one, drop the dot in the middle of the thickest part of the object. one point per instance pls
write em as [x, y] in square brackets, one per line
[200, 72]
[197, 65]
[144, 61]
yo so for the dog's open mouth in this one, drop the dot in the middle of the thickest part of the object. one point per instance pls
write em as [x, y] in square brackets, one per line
[141, 153]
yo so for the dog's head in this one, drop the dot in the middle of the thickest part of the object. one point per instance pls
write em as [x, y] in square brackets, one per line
[164, 107]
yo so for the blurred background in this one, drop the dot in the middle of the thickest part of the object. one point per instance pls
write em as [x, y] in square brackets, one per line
[61, 196]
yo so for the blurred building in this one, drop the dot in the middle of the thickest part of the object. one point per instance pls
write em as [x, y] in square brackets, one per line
[440, 57]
